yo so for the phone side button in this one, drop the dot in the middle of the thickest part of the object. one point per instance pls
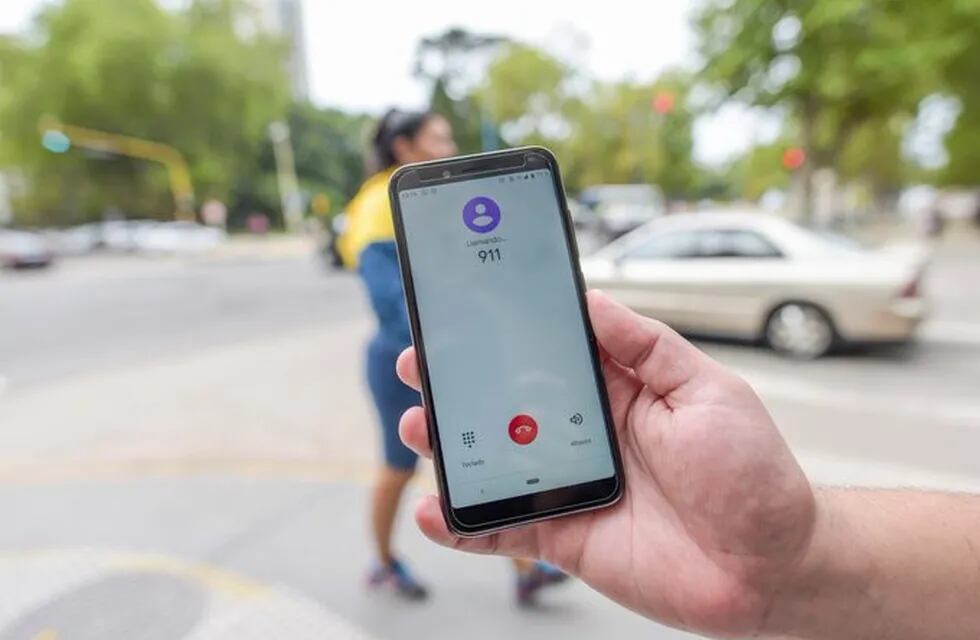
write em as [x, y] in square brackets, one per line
[533, 480]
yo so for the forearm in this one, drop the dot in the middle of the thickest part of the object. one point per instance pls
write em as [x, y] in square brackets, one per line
[886, 564]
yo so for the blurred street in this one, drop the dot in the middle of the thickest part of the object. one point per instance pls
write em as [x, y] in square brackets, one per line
[188, 427]
[188, 447]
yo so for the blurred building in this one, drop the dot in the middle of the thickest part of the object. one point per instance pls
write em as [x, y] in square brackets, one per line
[285, 17]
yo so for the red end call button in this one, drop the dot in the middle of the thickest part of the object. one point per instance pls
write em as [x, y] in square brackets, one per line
[522, 429]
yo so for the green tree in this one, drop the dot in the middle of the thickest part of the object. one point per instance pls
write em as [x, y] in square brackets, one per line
[759, 170]
[463, 115]
[524, 86]
[960, 78]
[679, 176]
[328, 153]
[194, 79]
[873, 156]
[614, 137]
[836, 65]
[963, 148]
[603, 132]
[450, 62]
[450, 56]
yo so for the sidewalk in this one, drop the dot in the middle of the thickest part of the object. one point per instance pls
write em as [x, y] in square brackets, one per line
[240, 495]
[234, 478]
[287, 556]
[283, 405]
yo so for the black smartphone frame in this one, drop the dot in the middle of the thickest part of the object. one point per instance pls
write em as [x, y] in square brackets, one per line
[493, 516]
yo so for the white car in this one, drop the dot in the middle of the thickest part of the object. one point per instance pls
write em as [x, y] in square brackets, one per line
[118, 236]
[761, 277]
[23, 250]
[176, 237]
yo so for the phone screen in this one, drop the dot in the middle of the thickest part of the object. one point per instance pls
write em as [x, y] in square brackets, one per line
[513, 385]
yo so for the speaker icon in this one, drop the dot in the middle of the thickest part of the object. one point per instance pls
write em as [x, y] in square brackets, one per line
[576, 419]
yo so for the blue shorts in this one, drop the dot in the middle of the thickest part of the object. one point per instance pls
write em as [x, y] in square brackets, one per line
[392, 397]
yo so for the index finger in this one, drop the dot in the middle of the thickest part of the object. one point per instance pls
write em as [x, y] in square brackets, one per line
[407, 367]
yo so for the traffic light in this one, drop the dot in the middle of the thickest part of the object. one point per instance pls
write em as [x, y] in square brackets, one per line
[55, 141]
[793, 158]
[663, 102]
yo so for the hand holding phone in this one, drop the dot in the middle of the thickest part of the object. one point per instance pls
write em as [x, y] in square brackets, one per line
[716, 512]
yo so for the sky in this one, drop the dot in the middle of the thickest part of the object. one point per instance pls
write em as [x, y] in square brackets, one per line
[360, 56]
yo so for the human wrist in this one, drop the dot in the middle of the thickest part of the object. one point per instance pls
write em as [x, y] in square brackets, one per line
[833, 579]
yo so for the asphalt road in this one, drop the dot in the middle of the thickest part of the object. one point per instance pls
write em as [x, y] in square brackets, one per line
[87, 314]
[184, 446]
[95, 313]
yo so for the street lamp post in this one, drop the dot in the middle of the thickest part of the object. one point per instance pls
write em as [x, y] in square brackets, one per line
[289, 195]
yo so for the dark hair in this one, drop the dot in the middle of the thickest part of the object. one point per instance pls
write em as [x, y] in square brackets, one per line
[393, 124]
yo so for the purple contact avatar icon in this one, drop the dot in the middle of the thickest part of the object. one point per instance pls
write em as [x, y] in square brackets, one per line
[481, 214]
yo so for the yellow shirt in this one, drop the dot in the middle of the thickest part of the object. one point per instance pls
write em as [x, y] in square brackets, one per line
[368, 219]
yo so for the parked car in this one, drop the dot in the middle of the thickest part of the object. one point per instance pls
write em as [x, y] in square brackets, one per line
[123, 235]
[23, 250]
[79, 240]
[110, 235]
[623, 207]
[176, 237]
[138, 236]
[763, 278]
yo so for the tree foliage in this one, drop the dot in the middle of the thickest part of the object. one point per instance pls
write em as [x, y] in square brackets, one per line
[450, 61]
[760, 170]
[844, 69]
[604, 132]
[463, 115]
[198, 79]
[328, 151]
[962, 79]
[524, 85]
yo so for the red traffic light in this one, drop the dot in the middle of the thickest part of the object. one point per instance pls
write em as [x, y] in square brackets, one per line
[663, 102]
[793, 158]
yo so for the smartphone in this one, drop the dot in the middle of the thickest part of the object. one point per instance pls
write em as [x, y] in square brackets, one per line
[511, 380]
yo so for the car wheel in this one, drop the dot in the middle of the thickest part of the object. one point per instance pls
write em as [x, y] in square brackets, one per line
[800, 330]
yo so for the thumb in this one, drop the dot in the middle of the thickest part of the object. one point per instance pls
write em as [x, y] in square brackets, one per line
[658, 355]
